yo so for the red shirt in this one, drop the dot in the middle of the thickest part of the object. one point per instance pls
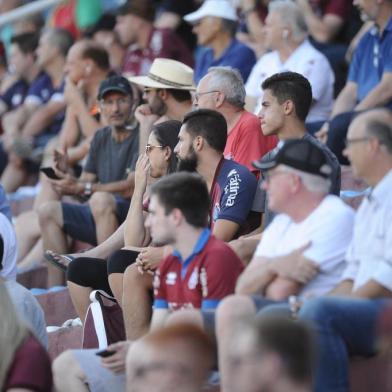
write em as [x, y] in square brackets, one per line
[162, 43]
[202, 280]
[246, 143]
[30, 368]
[339, 8]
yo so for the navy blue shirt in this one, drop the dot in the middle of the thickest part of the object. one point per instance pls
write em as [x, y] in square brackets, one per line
[15, 94]
[41, 92]
[372, 58]
[237, 55]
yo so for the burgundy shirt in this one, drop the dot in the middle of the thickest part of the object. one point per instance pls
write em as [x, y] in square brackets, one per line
[162, 43]
[31, 368]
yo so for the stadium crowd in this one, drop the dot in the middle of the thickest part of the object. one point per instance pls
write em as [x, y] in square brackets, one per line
[186, 161]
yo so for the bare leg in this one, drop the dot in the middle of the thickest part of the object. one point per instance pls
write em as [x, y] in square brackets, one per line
[34, 257]
[51, 223]
[14, 174]
[229, 312]
[27, 232]
[137, 306]
[116, 285]
[68, 375]
[46, 192]
[103, 209]
[80, 297]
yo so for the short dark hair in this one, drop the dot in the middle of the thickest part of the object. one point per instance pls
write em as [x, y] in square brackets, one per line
[382, 131]
[210, 125]
[186, 191]
[26, 42]
[291, 86]
[180, 95]
[230, 26]
[60, 38]
[291, 340]
[98, 54]
[166, 134]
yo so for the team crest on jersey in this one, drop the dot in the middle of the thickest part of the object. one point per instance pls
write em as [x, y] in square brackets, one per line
[193, 280]
[171, 278]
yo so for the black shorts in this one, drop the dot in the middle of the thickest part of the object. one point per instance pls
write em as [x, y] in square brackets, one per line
[79, 222]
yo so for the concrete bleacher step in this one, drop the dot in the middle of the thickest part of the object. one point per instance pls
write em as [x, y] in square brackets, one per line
[57, 307]
[36, 277]
[64, 339]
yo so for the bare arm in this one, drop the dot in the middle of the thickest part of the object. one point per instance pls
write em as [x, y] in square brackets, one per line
[322, 29]
[42, 118]
[372, 289]
[69, 133]
[123, 187]
[343, 288]
[135, 233]
[225, 230]
[379, 95]
[159, 317]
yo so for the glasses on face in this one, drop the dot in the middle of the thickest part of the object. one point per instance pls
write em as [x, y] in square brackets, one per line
[267, 175]
[198, 95]
[150, 147]
[350, 142]
[118, 102]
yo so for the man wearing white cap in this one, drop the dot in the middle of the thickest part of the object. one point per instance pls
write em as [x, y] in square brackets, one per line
[215, 24]
[167, 89]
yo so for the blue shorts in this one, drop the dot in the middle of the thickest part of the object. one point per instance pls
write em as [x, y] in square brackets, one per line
[79, 222]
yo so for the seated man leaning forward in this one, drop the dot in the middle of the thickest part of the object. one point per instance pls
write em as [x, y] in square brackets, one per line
[198, 274]
[301, 252]
[106, 181]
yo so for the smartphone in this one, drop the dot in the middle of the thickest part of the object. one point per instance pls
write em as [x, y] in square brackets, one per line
[49, 172]
[105, 353]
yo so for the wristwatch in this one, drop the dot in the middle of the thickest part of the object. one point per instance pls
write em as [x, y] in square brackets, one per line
[88, 189]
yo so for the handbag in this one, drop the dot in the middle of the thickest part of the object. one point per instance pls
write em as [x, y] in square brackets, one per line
[104, 322]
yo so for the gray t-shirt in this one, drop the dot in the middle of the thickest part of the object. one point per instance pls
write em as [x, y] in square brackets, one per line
[111, 161]
[28, 309]
[332, 161]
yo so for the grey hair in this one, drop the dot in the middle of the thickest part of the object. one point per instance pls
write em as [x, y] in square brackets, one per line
[229, 81]
[312, 182]
[382, 131]
[291, 16]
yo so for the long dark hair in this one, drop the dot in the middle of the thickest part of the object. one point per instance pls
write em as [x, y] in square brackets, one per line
[166, 134]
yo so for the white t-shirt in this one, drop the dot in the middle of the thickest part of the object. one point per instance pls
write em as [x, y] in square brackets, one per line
[329, 229]
[369, 255]
[10, 250]
[307, 61]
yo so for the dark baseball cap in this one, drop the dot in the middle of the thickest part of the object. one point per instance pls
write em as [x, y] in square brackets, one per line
[298, 154]
[115, 83]
[142, 8]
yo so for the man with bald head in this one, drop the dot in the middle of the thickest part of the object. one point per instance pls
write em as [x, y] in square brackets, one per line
[346, 322]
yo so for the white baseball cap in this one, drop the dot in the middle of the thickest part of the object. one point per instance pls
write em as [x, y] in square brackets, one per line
[218, 8]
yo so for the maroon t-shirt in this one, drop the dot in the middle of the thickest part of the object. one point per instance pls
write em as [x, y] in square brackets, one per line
[31, 368]
[162, 43]
[339, 8]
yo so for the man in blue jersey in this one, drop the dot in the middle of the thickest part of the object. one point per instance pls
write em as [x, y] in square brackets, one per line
[42, 112]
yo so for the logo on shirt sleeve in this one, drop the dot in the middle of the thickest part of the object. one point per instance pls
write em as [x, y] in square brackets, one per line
[232, 187]
[171, 278]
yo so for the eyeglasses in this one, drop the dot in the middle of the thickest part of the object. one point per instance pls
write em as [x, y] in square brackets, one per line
[110, 102]
[198, 95]
[150, 147]
[350, 142]
[267, 175]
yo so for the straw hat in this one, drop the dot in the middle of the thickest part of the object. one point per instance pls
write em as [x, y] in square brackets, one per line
[167, 74]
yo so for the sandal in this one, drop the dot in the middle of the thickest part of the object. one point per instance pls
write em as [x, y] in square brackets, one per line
[55, 258]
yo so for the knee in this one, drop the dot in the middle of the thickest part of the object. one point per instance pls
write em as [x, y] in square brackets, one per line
[316, 309]
[185, 316]
[65, 365]
[232, 309]
[102, 203]
[48, 212]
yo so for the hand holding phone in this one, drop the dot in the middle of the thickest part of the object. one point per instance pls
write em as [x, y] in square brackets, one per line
[49, 172]
[105, 353]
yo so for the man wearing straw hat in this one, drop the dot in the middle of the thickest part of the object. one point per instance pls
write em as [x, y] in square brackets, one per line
[167, 94]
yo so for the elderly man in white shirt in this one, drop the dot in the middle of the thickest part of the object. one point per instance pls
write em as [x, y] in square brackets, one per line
[347, 325]
[286, 35]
